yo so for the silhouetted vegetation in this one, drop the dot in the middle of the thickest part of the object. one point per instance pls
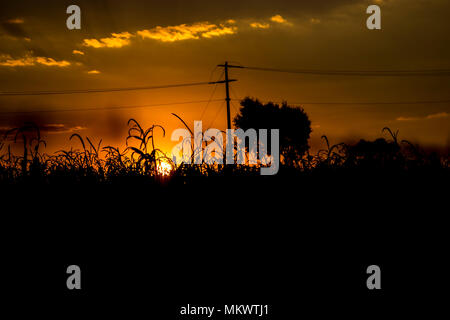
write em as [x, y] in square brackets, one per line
[141, 160]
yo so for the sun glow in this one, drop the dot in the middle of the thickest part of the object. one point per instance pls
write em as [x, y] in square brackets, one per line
[164, 168]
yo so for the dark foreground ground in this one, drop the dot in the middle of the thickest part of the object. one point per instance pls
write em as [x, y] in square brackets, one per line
[299, 243]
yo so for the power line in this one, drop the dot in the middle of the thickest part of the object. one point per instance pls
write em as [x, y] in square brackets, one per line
[212, 95]
[61, 110]
[370, 102]
[236, 109]
[235, 98]
[107, 108]
[84, 91]
[363, 73]
[217, 114]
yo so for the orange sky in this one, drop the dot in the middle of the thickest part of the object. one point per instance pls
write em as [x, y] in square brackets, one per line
[136, 43]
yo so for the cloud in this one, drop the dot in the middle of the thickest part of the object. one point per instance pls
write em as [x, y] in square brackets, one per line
[258, 25]
[28, 60]
[180, 32]
[187, 32]
[14, 28]
[279, 19]
[219, 31]
[428, 117]
[8, 61]
[93, 72]
[407, 118]
[78, 52]
[15, 21]
[51, 62]
[117, 40]
[57, 128]
[438, 115]
[314, 21]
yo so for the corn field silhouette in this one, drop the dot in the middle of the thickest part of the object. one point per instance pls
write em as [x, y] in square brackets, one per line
[141, 159]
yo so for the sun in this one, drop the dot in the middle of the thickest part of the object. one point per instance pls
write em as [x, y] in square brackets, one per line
[164, 168]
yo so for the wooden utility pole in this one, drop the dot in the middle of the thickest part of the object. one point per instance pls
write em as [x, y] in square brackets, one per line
[227, 89]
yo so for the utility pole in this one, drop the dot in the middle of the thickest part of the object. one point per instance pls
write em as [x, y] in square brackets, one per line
[227, 89]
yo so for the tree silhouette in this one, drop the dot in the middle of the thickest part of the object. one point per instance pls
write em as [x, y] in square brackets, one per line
[293, 123]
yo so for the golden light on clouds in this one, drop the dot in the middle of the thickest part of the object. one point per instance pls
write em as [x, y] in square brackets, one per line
[93, 72]
[219, 31]
[187, 32]
[195, 31]
[78, 52]
[258, 25]
[117, 40]
[279, 19]
[51, 62]
[8, 61]
[165, 34]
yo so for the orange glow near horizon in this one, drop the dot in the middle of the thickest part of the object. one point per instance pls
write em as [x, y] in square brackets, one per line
[141, 44]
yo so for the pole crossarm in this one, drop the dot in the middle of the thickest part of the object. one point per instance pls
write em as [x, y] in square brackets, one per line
[230, 66]
[227, 89]
[223, 81]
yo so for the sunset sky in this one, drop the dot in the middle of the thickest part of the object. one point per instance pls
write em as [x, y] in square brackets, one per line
[150, 43]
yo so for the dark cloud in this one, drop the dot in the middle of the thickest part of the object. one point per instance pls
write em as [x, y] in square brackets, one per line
[8, 133]
[14, 28]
